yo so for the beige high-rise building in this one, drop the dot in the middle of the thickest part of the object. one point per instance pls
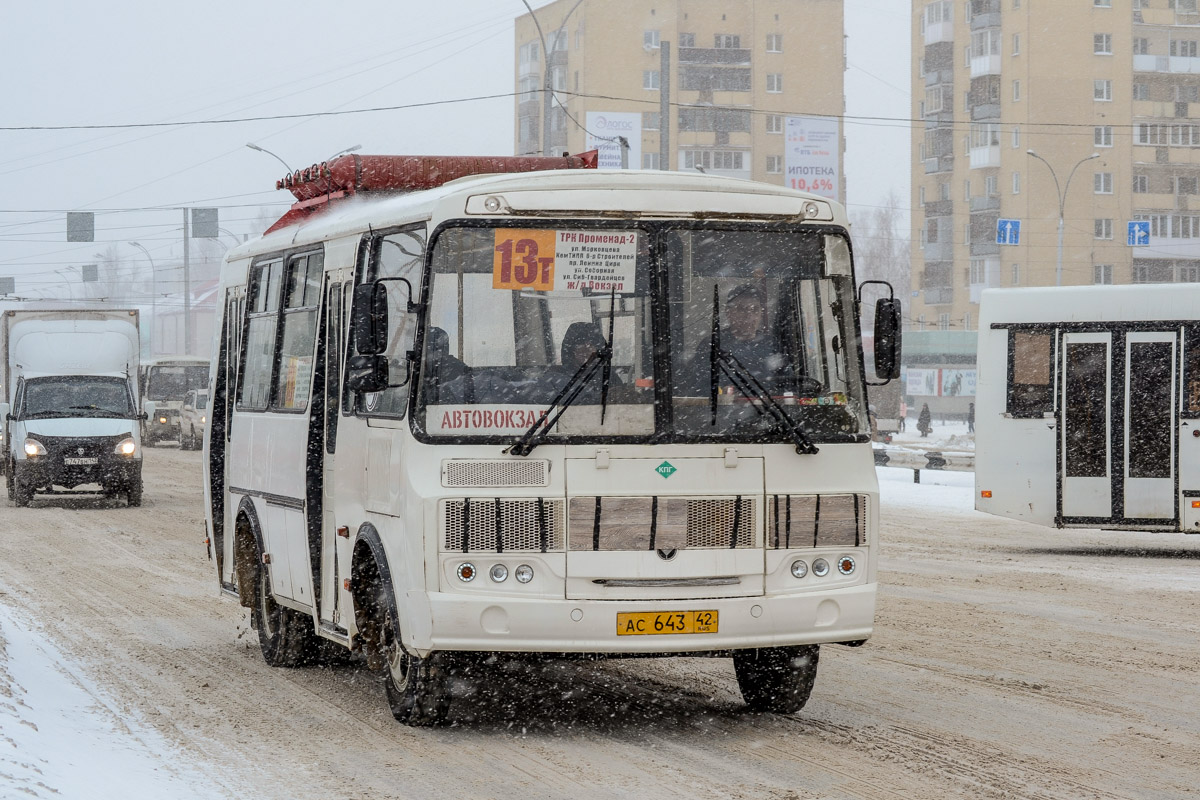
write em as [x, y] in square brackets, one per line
[754, 87]
[1106, 95]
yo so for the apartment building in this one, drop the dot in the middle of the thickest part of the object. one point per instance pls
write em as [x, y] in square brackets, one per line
[1047, 128]
[752, 88]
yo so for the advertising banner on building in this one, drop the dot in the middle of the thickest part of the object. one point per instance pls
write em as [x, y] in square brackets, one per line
[811, 157]
[603, 128]
[921, 382]
[939, 382]
[958, 383]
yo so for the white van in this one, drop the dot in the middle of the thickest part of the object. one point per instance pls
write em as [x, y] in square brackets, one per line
[70, 411]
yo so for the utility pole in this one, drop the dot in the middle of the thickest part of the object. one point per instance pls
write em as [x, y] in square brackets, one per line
[187, 287]
[664, 106]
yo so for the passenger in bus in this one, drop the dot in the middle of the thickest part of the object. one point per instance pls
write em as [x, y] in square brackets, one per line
[746, 337]
[582, 341]
[442, 368]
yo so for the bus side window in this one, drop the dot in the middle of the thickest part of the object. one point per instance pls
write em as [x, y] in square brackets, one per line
[397, 255]
[1031, 374]
[302, 296]
[254, 378]
[1191, 372]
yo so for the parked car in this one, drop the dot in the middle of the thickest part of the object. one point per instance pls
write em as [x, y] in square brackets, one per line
[193, 416]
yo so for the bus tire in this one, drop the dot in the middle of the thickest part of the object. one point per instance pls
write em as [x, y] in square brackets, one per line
[416, 688]
[286, 637]
[777, 679]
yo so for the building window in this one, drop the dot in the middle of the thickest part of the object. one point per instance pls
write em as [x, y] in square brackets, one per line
[978, 271]
[1186, 186]
[1141, 91]
[967, 191]
[1102, 44]
[1016, 183]
[1183, 47]
[989, 186]
[774, 82]
[943, 322]
[651, 120]
[650, 161]
[921, 195]
[1016, 137]
[687, 40]
[1102, 3]
[1102, 182]
[1102, 136]
[774, 123]
[1102, 90]
[1016, 39]
[650, 79]
[713, 159]
[1102, 273]
[774, 165]
[1016, 274]
[921, 67]
[1141, 184]
[1187, 94]
[774, 42]
[1141, 46]
[529, 53]
[1103, 229]
[1016, 91]
[650, 40]
[727, 41]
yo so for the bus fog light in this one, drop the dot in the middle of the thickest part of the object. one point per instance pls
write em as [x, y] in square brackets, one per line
[466, 572]
[523, 573]
[799, 569]
[820, 568]
[499, 573]
[845, 565]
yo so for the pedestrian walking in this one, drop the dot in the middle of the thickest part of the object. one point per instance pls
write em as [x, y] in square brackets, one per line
[971, 418]
[924, 420]
[903, 413]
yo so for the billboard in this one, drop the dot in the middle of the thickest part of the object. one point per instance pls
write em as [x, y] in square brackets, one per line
[603, 128]
[939, 382]
[813, 145]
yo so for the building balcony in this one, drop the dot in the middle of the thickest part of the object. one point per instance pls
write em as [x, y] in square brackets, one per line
[991, 278]
[1164, 247]
[1176, 65]
[983, 157]
[713, 55]
[1159, 110]
[989, 202]
[985, 65]
[939, 32]
[939, 251]
[939, 208]
[985, 248]
[985, 112]
[939, 164]
[1163, 154]
[938, 296]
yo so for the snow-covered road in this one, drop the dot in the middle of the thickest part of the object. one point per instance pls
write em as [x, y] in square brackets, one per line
[1009, 661]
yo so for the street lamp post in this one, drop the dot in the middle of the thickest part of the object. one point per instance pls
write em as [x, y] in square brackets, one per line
[1062, 200]
[548, 82]
[153, 293]
[253, 146]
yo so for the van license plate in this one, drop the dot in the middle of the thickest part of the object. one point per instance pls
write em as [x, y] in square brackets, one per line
[80, 462]
[658, 623]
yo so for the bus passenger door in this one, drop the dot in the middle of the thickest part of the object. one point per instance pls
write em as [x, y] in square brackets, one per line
[334, 564]
[1189, 432]
[1149, 435]
[1085, 451]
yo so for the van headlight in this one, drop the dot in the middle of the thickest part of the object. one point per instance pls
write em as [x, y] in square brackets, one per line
[126, 447]
[34, 448]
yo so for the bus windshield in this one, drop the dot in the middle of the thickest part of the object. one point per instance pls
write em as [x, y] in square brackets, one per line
[172, 383]
[514, 313]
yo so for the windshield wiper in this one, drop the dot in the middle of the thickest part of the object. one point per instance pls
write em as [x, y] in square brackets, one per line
[567, 395]
[721, 360]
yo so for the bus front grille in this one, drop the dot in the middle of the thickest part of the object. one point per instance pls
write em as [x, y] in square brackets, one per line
[827, 520]
[502, 525]
[494, 473]
[652, 523]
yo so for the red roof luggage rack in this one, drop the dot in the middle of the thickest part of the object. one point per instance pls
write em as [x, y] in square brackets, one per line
[318, 187]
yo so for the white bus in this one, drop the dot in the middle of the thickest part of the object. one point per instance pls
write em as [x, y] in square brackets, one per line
[504, 415]
[1088, 406]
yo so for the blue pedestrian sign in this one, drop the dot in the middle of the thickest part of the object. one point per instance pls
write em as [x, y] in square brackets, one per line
[1139, 233]
[1008, 231]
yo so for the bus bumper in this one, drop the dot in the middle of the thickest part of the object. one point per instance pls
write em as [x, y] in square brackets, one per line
[512, 624]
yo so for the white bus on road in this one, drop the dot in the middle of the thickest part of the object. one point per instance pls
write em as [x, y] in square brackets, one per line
[1088, 406]
[568, 412]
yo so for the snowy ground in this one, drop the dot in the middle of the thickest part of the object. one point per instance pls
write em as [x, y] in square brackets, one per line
[1009, 662]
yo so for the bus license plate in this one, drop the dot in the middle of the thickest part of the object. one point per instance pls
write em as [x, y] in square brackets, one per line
[80, 462]
[653, 623]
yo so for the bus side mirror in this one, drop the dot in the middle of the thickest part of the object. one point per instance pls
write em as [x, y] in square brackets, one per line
[367, 373]
[370, 319]
[887, 338]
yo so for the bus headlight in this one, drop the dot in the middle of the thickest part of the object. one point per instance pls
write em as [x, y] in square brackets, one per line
[34, 448]
[820, 568]
[126, 447]
[162, 420]
[523, 573]
[466, 572]
[799, 569]
[499, 573]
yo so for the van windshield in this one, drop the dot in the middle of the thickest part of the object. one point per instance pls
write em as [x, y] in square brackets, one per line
[75, 396]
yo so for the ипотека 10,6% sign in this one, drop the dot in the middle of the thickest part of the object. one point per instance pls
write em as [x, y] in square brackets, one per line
[814, 185]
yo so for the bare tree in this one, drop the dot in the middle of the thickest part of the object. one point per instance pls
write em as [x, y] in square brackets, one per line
[881, 244]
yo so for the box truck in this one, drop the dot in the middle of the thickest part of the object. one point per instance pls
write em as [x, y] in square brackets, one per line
[70, 409]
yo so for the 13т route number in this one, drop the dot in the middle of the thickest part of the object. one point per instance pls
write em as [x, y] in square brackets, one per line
[523, 259]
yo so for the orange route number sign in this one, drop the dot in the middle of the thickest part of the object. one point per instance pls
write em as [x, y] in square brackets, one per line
[524, 259]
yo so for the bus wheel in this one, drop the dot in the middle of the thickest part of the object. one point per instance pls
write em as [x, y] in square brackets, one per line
[416, 687]
[777, 679]
[286, 637]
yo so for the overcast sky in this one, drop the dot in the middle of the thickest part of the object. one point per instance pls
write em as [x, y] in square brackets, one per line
[144, 62]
